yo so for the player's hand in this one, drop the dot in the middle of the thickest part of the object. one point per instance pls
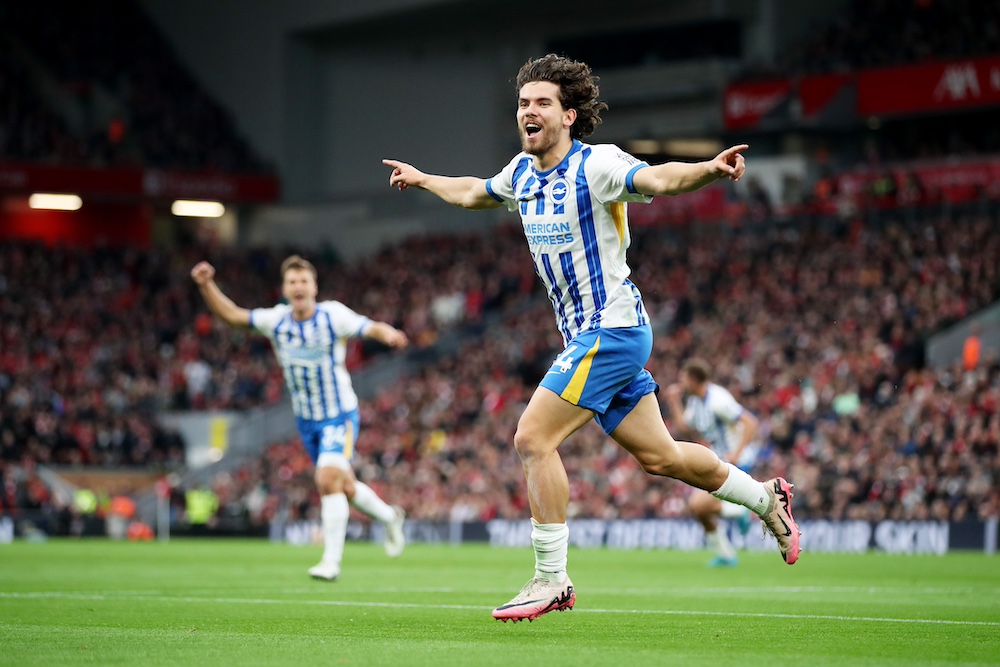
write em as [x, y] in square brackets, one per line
[396, 339]
[403, 175]
[674, 392]
[202, 273]
[730, 162]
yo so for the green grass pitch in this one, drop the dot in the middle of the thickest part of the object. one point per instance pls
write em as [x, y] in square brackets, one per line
[237, 602]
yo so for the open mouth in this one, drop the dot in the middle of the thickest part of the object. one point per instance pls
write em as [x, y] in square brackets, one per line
[531, 129]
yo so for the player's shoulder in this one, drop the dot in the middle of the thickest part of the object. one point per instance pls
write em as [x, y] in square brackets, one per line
[267, 318]
[521, 160]
[611, 151]
[719, 390]
[278, 309]
[335, 308]
[719, 394]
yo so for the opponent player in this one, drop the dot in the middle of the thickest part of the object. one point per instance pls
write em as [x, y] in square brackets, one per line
[308, 339]
[571, 198]
[712, 413]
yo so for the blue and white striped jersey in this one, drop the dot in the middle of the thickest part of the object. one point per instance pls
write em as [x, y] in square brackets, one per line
[311, 354]
[574, 218]
[716, 417]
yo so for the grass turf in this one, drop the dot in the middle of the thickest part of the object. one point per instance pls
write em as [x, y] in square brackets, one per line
[236, 602]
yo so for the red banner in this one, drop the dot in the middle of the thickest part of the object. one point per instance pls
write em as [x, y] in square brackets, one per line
[138, 184]
[923, 183]
[940, 86]
[816, 92]
[745, 104]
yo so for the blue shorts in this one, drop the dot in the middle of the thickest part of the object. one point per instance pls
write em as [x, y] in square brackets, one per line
[330, 436]
[603, 370]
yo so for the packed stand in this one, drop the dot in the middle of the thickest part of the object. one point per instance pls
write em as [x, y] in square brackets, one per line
[819, 330]
[94, 343]
[887, 33]
[899, 32]
[137, 104]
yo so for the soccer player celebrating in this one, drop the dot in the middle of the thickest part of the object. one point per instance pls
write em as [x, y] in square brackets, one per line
[308, 339]
[571, 197]
[711, 413]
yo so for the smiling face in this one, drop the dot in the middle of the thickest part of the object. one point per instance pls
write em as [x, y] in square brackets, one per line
[542, 122]
[299, 287]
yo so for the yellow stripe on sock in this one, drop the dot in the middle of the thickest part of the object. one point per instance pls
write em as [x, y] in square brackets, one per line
[576, 384]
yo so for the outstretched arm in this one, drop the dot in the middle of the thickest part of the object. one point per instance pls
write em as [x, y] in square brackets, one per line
[465, 191]
[204, 275]
[385, 334]
[674, 178]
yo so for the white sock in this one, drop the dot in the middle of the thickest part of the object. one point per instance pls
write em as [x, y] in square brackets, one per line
[718, 541]
[334, 514]
[551, 543]
[742, 489]
[368, 502]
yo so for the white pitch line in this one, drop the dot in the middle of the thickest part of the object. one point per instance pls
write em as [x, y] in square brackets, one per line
[720, 590]
[412, 605]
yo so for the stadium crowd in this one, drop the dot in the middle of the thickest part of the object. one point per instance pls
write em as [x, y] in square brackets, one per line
[818, 329]
[898, 32]
[816, 325]
[95, 342]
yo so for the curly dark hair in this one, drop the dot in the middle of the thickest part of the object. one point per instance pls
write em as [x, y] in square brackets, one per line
[577, 89]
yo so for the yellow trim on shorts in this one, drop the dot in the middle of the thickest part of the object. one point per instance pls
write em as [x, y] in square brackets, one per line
[618, 215]
[348, 439]
[574, 389]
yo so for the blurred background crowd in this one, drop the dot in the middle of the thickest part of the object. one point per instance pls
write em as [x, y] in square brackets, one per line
[817, 317]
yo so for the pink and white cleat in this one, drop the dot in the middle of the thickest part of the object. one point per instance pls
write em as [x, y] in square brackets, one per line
[777, 518]
[539, 596]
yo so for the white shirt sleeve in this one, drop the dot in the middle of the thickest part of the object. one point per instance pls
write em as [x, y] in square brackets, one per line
[264, 320]
[723, 405]
[346, 322]
[501, 186]
[609, 174]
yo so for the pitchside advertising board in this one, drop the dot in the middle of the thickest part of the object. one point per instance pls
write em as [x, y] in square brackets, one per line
[894, 537]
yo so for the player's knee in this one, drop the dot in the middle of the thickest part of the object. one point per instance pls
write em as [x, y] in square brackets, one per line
[658, 465]
[529, 443]
[330, 479]
[663, 461]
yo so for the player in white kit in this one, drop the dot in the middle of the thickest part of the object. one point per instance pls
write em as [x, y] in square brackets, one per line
[713, 415]
[571, 197]
[308, 338]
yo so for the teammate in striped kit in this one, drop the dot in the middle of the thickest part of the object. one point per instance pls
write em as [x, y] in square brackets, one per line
[309, 340]
[712, 413]
[571, 197]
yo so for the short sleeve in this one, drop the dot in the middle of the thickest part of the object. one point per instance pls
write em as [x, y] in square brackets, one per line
[501, 186]
[344, 321]
[724, 406]
[265, 320]
[610, 171]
